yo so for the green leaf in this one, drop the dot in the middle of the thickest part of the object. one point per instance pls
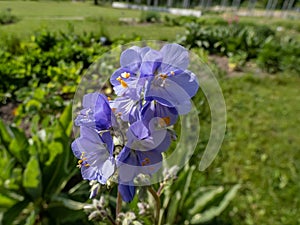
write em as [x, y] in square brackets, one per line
[216, 210]
[59, 211]
[172, 210]
[31, 218]
[66, 118]
[32, 178]
[18, 145]
[33, 105]
[6, 202]
[68, 203]
[5, 135]
[187, 185]
[55, 149]
[204, 199]
[11, 214]
[62, 167]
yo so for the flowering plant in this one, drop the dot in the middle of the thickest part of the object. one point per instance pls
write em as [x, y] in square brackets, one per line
[123, 137]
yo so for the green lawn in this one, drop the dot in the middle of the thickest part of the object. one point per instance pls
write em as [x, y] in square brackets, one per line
[261, 149]
[84, 17]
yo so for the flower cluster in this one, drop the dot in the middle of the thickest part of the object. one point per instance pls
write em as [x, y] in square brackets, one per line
[153, 88]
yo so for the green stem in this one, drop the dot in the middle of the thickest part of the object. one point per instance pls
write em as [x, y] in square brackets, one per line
[111, 220]
[161, 187]
[119, 205]
[157, 199]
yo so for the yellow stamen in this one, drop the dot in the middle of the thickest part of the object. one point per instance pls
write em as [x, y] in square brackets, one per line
[172, 73]
[123, 84]
[80, 162]
[125, 75]
[163, 76]
[87, 165]
[108, 98]
[145, 162]
[165, 121]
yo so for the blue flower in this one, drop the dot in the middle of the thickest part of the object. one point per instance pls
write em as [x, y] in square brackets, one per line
[141, 154]
[168, 80]
[127, 192]
[126, 108]
[147, 137]
[131, 163]
[153, 109]
[126, 80]
[95, 154]
[96, 112]
[153, 89]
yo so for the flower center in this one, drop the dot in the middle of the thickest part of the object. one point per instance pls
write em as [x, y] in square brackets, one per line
[145, 162]
[122, 82]
[164, 121]
[81, 161]
[160, 80]
[125, 75]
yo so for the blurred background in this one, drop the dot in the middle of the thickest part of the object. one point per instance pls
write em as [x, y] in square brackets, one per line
[252, 47]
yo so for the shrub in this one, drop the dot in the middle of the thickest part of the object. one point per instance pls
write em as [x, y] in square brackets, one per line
[150, 17]
[226, 40]
[279, 55]
[6, 17]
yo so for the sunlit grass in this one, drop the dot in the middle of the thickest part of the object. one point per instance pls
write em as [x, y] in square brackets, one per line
[261, 149]
[86, 17]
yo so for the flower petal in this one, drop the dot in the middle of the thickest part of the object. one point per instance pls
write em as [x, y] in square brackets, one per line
[169, 93]
[89, 173]
[174, 57]
[138, 130]
[131, 59]
[151, 62]
[108, 168]
[151, 161]
[188, 81]
[127, 164]
[127, 192]
[153, 109]
[96, 113]
[126, 107]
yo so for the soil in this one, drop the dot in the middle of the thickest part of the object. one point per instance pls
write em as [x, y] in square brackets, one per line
[7, 112]
[221, 62]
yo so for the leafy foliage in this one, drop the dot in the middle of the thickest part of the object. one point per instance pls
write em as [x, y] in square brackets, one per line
[44, 72]
[201, 206]
[150, 17]
[226, 40]
[37, 174]
[242, 43]
[6, 17]
[277, 56]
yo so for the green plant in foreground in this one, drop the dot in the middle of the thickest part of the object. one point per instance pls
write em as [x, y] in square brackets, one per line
[180, 202]
[35, 182]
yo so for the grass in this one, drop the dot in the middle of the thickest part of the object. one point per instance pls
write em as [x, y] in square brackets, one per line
[261, 150]
[84, 16]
